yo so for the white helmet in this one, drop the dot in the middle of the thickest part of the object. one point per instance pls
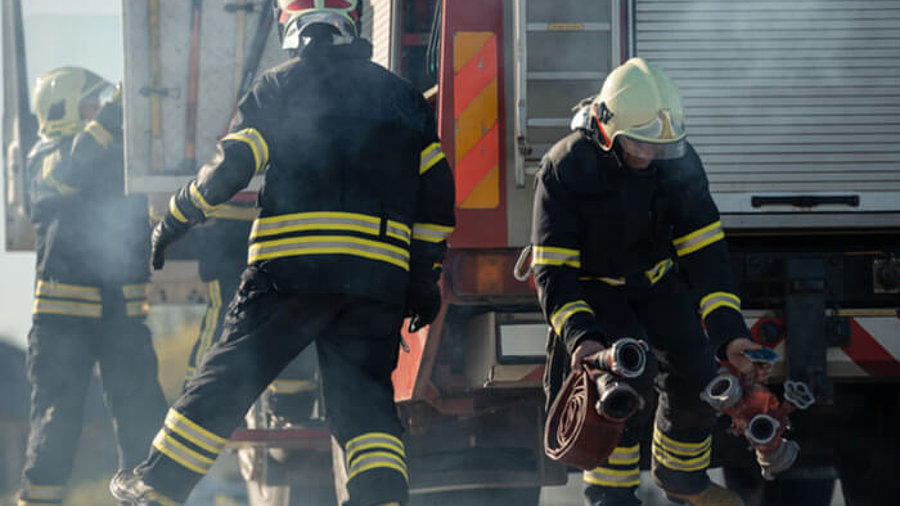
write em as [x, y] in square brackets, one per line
[640, 102]
[296, 17]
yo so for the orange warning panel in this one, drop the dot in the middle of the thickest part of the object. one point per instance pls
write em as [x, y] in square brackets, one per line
[476, 115]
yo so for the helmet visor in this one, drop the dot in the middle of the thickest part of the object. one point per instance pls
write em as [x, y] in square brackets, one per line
[664, 134]
[106, 92]
[642, 149]
[293, 35]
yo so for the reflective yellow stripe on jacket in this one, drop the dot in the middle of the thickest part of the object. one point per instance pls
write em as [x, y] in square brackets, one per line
[430, 156]
[715, 300]
[322, 235]
[551, 255]
[698, 239]
[252, 138]
[559, 318]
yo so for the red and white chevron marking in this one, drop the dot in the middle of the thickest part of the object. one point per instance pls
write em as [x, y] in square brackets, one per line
[874, 349]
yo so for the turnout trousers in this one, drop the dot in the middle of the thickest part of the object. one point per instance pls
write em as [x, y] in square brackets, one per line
[681, 365]
[357, 342]
[62, 353]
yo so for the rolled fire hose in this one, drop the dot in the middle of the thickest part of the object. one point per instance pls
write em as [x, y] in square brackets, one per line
[575, 434]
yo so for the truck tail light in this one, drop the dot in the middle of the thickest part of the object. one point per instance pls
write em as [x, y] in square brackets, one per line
[485, 272]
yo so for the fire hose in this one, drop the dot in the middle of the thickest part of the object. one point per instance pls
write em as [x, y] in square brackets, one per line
[586, 421]
[758, 415]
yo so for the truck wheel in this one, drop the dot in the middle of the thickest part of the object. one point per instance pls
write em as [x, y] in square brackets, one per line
[519, 496]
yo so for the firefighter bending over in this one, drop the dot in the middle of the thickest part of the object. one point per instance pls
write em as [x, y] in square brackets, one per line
[355, 210]
[90, 295]
[620, 203]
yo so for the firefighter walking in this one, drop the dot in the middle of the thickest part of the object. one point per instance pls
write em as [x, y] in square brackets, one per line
[628, 243]
[90, 291]
[355, 210]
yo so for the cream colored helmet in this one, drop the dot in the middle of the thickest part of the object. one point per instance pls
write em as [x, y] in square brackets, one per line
[57, 98]
[639, 101]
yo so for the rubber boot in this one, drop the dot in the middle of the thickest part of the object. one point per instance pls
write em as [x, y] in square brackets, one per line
[714, 495]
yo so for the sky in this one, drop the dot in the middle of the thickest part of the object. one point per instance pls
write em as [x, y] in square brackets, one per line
[58, 32]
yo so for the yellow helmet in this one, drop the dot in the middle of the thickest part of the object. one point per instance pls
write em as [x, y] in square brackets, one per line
[295, 16]
[57, 98]
[639, 101]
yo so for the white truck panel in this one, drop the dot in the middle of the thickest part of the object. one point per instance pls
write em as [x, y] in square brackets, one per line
[786, 98]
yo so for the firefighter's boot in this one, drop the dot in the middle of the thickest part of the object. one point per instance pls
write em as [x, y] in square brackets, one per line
[713, 495]
[130, 489]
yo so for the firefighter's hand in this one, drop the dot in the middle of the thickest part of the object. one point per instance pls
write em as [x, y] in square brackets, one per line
[742, 363]
[423, 302]
[165, 233]
[584, 350]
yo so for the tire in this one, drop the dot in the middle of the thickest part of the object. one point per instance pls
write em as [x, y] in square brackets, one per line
[520, 496]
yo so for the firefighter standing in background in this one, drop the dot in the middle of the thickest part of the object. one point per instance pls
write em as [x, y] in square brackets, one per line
[620, 202]
[355, 210]
[90, 295]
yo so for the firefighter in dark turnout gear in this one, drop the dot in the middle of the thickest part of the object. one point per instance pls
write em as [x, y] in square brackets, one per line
[90, 291]
[355, 210]
[221, 257]
[620, 203]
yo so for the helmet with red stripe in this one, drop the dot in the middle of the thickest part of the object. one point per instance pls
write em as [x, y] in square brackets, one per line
[305, 22]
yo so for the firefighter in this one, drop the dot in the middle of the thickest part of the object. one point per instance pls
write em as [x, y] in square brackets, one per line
[355, 210]
[628, 243]
[222, 256]
[90, 293]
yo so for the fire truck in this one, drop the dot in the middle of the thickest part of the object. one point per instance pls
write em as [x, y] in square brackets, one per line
[791, 105]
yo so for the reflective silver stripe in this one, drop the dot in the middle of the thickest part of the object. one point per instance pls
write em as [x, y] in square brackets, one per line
[698, 239]
[61, 307]
[371, 440]
[715, 300]
[679, 464]
[257, 143]
[624, 456]
[200, 202]
[62, 290]
[42, 492]
[137, 308]
[100, 134]
[323, 220]
[685, 448]
[430, 232]
[613, 477]
[172, 448]
[398, 230]
[193, 433]
[430, 156]
[232, 212]
[559, 318]
[281, 386]
[135, 291]
[550, 255]
[329, 245]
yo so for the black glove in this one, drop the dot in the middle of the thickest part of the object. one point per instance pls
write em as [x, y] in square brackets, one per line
[165, 233]
[423, 302]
